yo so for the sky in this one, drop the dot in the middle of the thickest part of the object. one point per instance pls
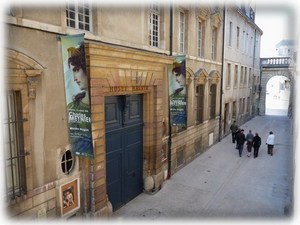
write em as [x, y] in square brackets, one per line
[278, 22]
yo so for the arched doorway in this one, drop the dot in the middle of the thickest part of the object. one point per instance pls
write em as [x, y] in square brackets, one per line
[277, 96]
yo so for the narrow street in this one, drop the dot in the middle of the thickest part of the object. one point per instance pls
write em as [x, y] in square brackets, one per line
[220, 184]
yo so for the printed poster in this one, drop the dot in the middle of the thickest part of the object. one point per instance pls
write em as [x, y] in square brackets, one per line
[177, 93]
[77, 95]
[69, 197]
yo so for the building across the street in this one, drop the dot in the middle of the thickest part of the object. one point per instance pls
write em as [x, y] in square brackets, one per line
[241, 74]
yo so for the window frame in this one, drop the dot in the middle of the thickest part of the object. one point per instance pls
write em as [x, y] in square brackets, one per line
[234, 110]
[200, 95]
[154, 11]
[228, 77]
[237, 37]
[67, 162]
[246, 76]
[15, 168]
[213, 100]
[214, 39]
[182, 25]
[230, 34]
[201, 38]
[236, 72]
[86, 5]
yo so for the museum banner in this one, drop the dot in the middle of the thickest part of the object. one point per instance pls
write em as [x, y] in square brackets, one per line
[177, 92]
[77, 94]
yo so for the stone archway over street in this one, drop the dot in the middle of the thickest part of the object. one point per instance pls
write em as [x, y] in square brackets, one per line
[272, 68]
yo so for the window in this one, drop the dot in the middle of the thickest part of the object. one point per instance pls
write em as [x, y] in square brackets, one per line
[242, 75]
[230, 34]
[243, 41]
[78, 14]
[201, 39]
[228, 77]
[154, 24]
[241, 107]
[214, 44]
[236, 70]
[200, 102]
[247, 44]
[248, 105]
[250, 76]
[246, 76]
[234, 110]
[14, 146]
[67, 162]
[237, 37]
[213, 99]
[181, 32]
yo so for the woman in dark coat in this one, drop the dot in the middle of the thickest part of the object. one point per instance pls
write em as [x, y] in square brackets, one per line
[256, 144]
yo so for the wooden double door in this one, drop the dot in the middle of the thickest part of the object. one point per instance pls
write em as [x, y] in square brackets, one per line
[124, 148]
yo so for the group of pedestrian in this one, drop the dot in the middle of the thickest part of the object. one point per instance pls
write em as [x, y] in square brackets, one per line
[252, 141]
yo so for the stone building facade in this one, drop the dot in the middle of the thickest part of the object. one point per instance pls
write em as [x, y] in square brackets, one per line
[129, 58]
[241, 74]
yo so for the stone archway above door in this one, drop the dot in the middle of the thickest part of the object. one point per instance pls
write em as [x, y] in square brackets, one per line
[23, 69]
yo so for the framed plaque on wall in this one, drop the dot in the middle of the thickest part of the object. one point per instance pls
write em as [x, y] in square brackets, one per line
[70, 200]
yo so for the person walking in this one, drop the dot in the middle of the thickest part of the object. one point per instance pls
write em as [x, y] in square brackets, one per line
[237, 132]
[234, 128]
[240, 140]
[256, 145]
[270, 143]
[249, 139]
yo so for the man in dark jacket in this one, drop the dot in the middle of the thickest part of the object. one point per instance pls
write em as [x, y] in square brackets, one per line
[256, 144]
[234, 128]
[240, 140]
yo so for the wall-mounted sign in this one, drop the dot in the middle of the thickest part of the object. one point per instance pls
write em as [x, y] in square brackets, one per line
[128, 88]
[177, 92]
[77, 95]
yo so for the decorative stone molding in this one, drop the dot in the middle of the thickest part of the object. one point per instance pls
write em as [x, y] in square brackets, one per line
[203, 13]
[214, 76]
[201, 76]
[32, 82]
[216, 19]
[189, 75]
[22, 64]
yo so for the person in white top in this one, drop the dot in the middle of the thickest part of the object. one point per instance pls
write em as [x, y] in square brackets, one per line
[270, 143]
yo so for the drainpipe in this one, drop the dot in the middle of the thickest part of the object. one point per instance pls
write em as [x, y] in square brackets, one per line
[254, 52]
[170, 126]
[259, 88]
[260, 74]
[222, 70]
[171, 30]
